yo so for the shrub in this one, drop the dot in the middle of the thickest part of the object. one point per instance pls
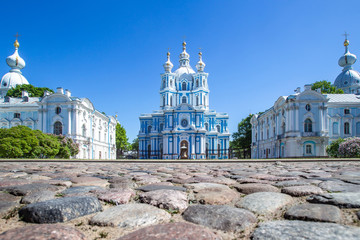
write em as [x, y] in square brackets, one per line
[350, 148]
[333, 149]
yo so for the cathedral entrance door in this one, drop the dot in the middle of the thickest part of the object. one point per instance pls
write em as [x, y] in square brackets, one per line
[184, 150]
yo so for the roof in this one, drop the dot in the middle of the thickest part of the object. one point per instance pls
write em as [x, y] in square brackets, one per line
[20, 101]
[343, 98]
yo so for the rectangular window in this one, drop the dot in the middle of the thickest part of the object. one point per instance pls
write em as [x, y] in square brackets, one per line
[308, 149]
[346, 111]
[16, 115]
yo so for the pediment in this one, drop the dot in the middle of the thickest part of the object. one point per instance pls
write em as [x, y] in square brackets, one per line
[311, 96]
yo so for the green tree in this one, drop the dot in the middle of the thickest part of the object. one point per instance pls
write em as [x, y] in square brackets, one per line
[122, 143]
[32, 90]
[135, 145]
[49, 145]
[326, 87]
[333, 149]
[17, 142]
[242, 138]
[22, 142]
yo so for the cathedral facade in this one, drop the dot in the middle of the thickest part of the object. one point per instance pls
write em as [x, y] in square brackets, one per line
[304, 123]
[57, 113]
[184, 127]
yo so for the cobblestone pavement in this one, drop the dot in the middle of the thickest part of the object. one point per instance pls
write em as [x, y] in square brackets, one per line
[179, 200]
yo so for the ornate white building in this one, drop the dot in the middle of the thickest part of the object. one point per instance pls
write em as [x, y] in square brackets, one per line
[304, 123]
[184, 127]
[57, 113]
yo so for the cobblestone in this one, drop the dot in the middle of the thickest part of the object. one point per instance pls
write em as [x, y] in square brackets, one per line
[242, 200]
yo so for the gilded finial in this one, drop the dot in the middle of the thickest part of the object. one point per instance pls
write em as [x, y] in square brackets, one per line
[346, 42]
[16, 43]
[184, 45]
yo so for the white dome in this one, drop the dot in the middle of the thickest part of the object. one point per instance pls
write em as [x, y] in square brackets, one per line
[11, 79]
[347, 60]
[347, 78]
[181, 70]
[14, 76]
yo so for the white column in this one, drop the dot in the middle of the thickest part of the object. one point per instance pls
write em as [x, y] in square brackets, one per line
[69, 121]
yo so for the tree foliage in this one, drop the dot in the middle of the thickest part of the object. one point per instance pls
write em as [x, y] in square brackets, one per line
[326, 87]
[32, 90]
[242, 138]
[333, 149]
[134, 146]
[22, 142]
[122, 143]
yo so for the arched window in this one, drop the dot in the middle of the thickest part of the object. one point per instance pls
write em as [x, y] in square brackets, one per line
[171, 83]
[335, 128]
[84, 130]
[197, 83]
[218, 128]
[308, 125]
[164, 100]
[204, 101]
[58, 110]
[183, 99]
[58, 128]
[161, 127]
[149, 129]
[99, 136]
[183, 86]
[346, 128]
[171, 100]
[206, 126]
[197, 100]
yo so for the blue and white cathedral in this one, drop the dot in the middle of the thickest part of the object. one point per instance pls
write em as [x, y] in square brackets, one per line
[184, 127]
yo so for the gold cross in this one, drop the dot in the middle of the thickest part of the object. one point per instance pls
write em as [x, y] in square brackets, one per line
[346, 35]
[17, 35]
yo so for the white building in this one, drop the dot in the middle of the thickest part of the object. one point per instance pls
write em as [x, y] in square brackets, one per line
[304, 123]
[57, 113]
[184, 127]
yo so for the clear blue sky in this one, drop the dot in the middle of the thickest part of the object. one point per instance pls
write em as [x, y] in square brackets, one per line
[112, 51]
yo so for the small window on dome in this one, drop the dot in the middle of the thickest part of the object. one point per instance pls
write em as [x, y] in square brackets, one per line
[4, 84]
[346, 82]
[58, 110]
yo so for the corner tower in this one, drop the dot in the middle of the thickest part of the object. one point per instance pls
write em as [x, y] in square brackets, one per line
[348, 80]
[14, 76]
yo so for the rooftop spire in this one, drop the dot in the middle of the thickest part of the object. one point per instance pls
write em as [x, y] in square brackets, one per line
[15, 61]
[346, 42]
[16, 43]
[184, 56]
[200, 65]
[168, 64]
[348, 59]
